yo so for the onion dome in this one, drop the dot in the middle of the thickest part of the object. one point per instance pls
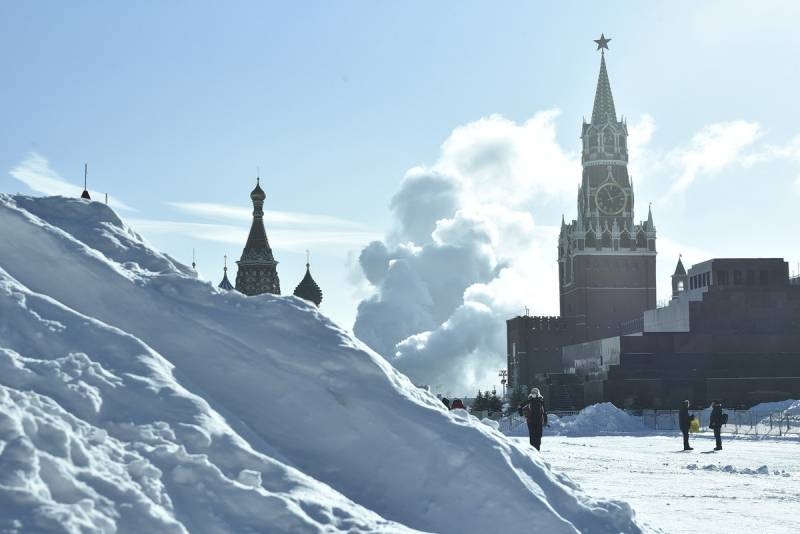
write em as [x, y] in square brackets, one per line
[225, 284]
[258, 193]
[308, 289]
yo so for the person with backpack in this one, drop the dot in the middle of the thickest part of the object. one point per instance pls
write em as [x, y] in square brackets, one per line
[685, 421]
[536, 417]
[717, 420]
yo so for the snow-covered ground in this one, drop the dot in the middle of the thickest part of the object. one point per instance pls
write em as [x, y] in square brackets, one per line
[752, 485]
[136, 398]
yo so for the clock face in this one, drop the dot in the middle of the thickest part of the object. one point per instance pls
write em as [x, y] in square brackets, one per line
[611, 199]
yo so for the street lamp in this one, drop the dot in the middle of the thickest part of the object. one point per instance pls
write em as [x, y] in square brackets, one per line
[503, 374]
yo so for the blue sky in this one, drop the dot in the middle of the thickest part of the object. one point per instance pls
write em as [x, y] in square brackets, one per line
[176, 103]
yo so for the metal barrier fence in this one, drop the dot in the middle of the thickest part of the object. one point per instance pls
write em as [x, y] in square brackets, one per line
[745, 422]
[742, 422]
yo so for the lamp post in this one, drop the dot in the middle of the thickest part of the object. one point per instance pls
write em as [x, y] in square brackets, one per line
[503, 373]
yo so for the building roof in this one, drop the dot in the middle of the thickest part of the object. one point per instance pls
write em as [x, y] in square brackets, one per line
[308, 289]
[604, 110]
[225, 284]
[257, 249]
[679, 269]
[257, 193]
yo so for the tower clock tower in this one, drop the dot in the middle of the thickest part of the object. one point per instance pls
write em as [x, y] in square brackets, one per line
[607, 265]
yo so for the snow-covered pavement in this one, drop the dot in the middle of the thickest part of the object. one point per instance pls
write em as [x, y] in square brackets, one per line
[696, 491]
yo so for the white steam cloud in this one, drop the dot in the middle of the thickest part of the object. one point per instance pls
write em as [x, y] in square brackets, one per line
[465, 254]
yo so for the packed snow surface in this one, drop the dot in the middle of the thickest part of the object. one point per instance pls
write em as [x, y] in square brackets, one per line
[136, 398]
[751, 485]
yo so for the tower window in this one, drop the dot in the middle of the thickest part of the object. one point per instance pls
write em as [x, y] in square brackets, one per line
[680, 285]
[737, 277]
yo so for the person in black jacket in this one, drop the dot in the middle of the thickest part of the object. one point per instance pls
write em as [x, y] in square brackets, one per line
[536, 416]
[684, 421]
[717, 422]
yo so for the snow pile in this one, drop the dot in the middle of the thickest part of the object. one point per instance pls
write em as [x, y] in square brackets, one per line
[135, 398]
[594, 420]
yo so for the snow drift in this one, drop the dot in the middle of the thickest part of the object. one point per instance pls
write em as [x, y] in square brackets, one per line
[594, 420]
[135, 397]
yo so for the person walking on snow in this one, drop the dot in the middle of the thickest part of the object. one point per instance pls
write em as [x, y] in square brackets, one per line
[685, 421]
[717, 420]
[536, 417]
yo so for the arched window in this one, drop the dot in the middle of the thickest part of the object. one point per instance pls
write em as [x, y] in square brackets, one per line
[606, 239]
[641, 242]
[625, 240]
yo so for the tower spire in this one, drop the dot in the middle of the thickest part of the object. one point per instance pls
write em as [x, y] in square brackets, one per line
[225, 284]
[257, 267]
[85, 193]
[603, 110]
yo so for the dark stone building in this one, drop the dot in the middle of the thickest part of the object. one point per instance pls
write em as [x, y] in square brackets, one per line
[257, 271]
[607, 269]
[733, 333]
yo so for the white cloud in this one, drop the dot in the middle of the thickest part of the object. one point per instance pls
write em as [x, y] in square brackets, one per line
[713, 149]
[463, 256]
[35, 172]
[499, 160]
[284, 238]
[241, 213]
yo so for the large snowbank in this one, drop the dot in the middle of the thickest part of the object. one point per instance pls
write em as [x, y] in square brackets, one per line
[138, 398]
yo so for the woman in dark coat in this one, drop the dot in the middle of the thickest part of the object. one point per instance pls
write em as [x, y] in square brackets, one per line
[685, 421]
[536, 416]
[717, 420]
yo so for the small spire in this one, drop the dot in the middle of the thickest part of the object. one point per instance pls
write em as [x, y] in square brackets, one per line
[85, 193]
[650, 225]
[225, 284]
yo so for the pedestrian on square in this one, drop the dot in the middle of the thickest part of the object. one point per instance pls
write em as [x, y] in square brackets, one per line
[685, 421]
[536, 417]
[717, 420]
